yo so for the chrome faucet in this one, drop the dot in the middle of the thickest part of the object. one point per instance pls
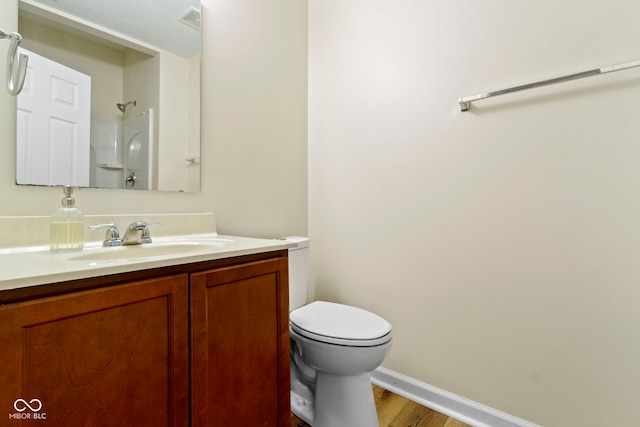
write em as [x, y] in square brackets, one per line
[112, 237]
[138, 233]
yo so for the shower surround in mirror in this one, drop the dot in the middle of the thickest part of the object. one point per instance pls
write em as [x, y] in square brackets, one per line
[122, 153]
[124, 73]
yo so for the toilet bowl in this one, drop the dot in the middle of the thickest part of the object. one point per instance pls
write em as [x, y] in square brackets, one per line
[334, 347]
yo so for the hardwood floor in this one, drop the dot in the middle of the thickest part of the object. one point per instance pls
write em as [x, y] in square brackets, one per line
[396, 411]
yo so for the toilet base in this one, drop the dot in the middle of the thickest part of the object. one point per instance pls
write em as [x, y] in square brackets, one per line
[302, 408]
[339, 400]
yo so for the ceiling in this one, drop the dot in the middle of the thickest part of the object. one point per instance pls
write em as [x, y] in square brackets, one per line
[152, 21]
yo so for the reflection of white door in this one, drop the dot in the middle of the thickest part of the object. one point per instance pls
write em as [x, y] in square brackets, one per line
[53, 128]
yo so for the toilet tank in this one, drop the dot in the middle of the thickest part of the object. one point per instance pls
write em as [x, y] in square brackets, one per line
[298, 271]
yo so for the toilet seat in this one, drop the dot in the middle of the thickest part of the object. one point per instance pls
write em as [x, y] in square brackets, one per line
[340, 324]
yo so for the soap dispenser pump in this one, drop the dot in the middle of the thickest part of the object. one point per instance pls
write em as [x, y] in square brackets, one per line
[67, 225]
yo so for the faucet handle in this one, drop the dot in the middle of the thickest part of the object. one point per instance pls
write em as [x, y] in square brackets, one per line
[154, 223]
[139, 225]
[143, 228]
[145, 237]
[112, 236]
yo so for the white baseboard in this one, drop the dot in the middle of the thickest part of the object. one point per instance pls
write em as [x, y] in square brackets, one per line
[449, 404]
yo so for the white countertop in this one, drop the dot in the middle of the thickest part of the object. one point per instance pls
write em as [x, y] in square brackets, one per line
[36, 265]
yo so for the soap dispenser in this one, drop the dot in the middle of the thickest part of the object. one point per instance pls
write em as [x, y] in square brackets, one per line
[67, 225]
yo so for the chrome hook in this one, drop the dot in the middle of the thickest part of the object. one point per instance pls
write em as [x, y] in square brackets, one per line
[16, 65]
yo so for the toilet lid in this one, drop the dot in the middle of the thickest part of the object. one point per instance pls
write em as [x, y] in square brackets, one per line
[344, 322]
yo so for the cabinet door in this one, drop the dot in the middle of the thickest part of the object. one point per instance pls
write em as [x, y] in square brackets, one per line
[113, 356]
[240, 346]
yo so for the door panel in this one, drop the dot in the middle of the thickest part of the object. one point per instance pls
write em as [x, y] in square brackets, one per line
[53, 126]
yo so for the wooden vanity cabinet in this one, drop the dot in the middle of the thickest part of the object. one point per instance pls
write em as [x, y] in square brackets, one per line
[198, 345]
[240, 345]
[112, 356]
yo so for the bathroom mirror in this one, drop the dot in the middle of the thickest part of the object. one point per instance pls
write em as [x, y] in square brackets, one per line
[112, 95]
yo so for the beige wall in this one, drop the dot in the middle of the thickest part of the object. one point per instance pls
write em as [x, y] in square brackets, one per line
[193, 146]
[255, 114]
[501, 243]
[173, 120]
[270, 186]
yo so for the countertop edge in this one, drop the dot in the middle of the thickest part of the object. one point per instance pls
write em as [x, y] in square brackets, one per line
[59, 268]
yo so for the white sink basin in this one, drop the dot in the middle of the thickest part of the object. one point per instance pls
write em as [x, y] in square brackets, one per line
[149, 250]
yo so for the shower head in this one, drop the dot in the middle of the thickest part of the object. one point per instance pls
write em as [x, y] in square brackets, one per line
[123, 107]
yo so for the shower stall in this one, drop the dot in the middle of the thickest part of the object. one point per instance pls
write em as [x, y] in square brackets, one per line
[122, 152]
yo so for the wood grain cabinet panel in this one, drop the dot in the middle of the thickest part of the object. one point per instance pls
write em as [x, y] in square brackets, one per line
[240, 346]
[113, 356]
[201, 345]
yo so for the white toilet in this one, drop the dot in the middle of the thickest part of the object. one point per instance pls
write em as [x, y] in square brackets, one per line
[333, 349]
